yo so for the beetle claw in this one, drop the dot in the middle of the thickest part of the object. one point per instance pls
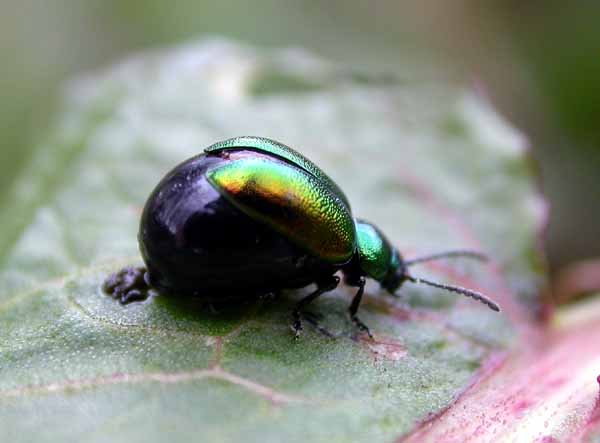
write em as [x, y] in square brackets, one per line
[361, 326]
[297, 328]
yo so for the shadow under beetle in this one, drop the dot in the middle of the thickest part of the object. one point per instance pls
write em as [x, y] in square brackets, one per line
[251, 216]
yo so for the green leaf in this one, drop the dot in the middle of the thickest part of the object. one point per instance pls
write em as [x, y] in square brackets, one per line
[544, 390]
[429, 162]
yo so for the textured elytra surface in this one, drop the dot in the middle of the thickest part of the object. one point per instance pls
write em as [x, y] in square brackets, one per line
[431, 164]
[315, 218]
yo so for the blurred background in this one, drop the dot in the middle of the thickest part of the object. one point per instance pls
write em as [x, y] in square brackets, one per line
[538, 61]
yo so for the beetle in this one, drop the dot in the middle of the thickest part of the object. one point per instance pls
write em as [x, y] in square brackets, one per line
[251, 216]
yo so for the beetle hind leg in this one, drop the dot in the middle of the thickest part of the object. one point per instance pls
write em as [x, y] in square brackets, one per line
[322, 287]
[128, 285]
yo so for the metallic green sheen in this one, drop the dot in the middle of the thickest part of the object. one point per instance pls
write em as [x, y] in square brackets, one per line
[291, 201]
[374, 251]
[282, 151]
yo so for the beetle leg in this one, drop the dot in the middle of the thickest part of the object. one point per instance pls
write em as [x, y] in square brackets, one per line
[314, 318]
[353, 309]
[325, 286]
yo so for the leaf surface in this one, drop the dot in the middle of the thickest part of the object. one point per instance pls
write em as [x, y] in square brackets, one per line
[545, 390]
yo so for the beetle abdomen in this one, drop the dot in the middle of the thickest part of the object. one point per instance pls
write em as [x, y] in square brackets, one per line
[194, 241]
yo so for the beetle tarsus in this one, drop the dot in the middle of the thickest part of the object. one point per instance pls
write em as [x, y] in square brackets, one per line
[353, 309]
[297, 328]
[361, 326]
[322, 287]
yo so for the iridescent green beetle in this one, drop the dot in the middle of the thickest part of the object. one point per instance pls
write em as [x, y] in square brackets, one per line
[251, 216]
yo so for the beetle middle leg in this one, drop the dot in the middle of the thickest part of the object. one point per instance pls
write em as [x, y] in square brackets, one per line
[322, 287]
[353, 309]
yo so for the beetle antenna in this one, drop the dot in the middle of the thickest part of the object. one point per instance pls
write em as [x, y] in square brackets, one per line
[448, 254]
[459, 290]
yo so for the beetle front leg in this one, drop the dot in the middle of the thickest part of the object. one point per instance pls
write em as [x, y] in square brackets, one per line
[322, 287]
[353, 309]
